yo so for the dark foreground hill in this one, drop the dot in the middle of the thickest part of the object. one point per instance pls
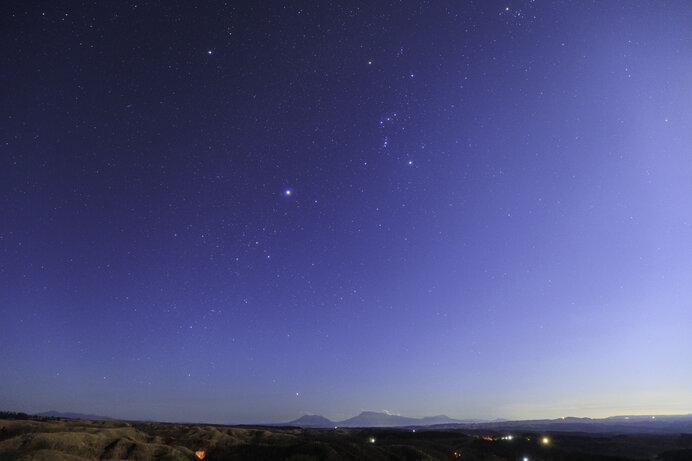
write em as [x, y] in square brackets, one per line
[41, 438]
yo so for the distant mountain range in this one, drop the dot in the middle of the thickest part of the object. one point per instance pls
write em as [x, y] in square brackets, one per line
[629, 424]
[57, 414]
[377, 419]
[623, 424]
[640, 424]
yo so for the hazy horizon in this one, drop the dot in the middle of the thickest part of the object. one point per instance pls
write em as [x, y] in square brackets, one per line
[244, 212]
[344, 417]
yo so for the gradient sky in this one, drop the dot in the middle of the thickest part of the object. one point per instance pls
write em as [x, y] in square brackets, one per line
[246, 211]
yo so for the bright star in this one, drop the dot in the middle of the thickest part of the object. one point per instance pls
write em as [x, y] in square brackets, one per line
[209, 52]
[410, 162]
[288, 192]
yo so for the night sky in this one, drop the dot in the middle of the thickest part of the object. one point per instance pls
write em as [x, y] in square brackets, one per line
[246, 211]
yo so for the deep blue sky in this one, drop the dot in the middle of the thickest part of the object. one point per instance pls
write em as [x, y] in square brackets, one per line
[246, 211]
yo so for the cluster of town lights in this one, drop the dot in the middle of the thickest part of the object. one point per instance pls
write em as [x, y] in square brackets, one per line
[543, 441]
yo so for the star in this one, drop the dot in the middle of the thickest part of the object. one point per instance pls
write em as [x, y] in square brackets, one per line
[209, 52]
[288, 192]
[410, 162]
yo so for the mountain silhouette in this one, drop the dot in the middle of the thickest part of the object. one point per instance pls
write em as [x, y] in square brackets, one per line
[312, 421]
[58, 414]
[376, 419]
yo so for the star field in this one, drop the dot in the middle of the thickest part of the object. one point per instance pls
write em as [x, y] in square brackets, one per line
[242, 211]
